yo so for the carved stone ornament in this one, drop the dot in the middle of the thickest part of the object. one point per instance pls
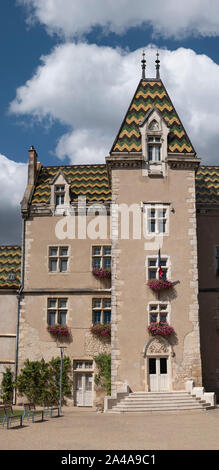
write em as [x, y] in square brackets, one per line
[157, 346]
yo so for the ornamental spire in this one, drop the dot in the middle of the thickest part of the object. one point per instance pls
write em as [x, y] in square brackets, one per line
[143, 66]
[157, 66]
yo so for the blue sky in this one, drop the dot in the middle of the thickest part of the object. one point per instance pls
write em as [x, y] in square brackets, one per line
[68, 73]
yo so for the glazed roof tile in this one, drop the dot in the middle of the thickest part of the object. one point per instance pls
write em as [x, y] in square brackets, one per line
[85, 180]
[207, 185]
[10, 266]
[150, 94]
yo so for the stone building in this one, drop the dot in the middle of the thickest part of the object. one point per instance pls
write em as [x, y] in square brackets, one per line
[148, 216]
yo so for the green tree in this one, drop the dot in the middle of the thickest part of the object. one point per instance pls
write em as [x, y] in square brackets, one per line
[7, 385]
[103, 378]
[39, 381]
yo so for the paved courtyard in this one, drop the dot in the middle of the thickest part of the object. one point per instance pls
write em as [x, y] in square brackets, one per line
[84, 429]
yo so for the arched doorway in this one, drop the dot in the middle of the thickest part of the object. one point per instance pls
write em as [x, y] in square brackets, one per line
[157, 355]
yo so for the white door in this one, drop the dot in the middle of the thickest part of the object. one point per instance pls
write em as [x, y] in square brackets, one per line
[158, 374]
[84, 389]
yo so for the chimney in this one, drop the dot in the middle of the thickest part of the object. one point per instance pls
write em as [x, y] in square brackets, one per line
[32, 167]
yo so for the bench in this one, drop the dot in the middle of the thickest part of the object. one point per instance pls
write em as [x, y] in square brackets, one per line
[48, 408]
[8, 415]
[30, 410]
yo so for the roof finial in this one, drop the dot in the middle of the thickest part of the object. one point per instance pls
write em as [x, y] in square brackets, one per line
[143, 62]
[157, 66]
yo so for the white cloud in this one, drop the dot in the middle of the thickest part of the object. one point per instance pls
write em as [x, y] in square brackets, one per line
[70, 18]
[90, 88]
[13, 177]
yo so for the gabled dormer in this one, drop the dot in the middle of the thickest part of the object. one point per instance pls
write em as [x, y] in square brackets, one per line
[60, 194]
[154, 132]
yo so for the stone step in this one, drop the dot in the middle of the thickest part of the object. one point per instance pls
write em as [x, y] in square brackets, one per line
[152, 407]
[159, 401]
[161, 405]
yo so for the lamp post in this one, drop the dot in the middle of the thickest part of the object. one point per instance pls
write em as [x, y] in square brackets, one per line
[61, 367]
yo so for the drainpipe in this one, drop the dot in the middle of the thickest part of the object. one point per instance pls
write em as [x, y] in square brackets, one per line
[19, 297]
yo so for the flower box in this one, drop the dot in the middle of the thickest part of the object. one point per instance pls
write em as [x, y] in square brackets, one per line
[160, 328]
[101, 330]
[58, 330]
[102, 273]
[159, 284]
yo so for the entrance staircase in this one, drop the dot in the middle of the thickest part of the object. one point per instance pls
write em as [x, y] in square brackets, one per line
[159, 401]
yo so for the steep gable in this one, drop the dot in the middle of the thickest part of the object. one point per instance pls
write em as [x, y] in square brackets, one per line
[150, 94]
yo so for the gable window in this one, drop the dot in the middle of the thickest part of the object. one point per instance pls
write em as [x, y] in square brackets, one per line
[154, 147]
[101, 257]
[57, 311]
[153, 268]
[58, 259]
[101, 311]
[59, 195]
[158, 312]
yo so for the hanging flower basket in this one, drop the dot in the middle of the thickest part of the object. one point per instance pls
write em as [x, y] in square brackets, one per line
[160, 328]
[158, 285]
[102, 273]
[101, 330]
[58, 330]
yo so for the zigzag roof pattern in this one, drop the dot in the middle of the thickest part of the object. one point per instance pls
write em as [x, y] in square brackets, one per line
[150, 94]
[207, 185]
[10, 263]
[85, 180]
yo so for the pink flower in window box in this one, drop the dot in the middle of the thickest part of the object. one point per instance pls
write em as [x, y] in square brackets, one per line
[160, 328]
[58, 330]
[102, 273]
[159, 284]
[101, 330]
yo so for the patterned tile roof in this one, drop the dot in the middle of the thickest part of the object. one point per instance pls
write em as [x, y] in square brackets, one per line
[10, 264]
[207, 185]
[151, 94]
[85, 180]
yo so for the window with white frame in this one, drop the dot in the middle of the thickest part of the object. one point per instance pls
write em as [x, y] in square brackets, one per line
[101, 257]
[158, 312]
[153, 269]
[59, 194]
[101, 311]
[56, 311]
[154, 149]
[58, 259]
[157, 218]
[83, 364]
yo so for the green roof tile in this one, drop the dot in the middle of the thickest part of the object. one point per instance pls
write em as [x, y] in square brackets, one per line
[10, 266]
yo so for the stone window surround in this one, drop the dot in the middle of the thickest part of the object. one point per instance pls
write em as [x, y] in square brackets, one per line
[57, 309]
[158, 303]
[162, 132]
[157, 206]
[102, 246]
[162, 256]
[102, 308]
[58, 257]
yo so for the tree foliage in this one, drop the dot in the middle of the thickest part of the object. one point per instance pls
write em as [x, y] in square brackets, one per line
[39, 381]
[103, 378]
[7, 385]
